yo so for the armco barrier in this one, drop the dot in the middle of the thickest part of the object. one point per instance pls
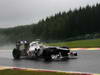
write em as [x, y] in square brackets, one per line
[44, 70]
[85, 48]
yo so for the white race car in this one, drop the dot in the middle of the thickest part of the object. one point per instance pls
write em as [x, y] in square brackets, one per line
[37, 50]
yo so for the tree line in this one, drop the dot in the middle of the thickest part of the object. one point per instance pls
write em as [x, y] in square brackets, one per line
[61, 26]
[69, 24]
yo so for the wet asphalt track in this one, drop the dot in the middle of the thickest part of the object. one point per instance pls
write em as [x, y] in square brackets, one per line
[87, 61]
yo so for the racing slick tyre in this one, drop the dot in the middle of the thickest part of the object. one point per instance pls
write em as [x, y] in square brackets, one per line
[48, 58]
[47, 55]
[16, 54]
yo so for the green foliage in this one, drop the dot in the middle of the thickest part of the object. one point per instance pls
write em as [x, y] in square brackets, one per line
[73, 23]
[82, 23]
[11, 35]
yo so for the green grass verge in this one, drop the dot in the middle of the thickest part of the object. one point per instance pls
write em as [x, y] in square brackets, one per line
[79, 43]
[21, 72]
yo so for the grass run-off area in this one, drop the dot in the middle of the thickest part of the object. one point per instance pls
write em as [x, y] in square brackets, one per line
[21, 72]
[93, 43]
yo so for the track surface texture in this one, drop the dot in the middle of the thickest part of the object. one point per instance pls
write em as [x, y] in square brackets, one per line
[87, 61]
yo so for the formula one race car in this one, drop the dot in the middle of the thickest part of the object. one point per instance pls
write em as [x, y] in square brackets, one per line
[37, 50]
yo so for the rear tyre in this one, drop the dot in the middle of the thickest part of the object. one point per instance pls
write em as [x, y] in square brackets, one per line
[16, 54]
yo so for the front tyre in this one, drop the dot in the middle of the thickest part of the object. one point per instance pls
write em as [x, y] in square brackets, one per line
[16, 54]
[48, 58]
[47, 55]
